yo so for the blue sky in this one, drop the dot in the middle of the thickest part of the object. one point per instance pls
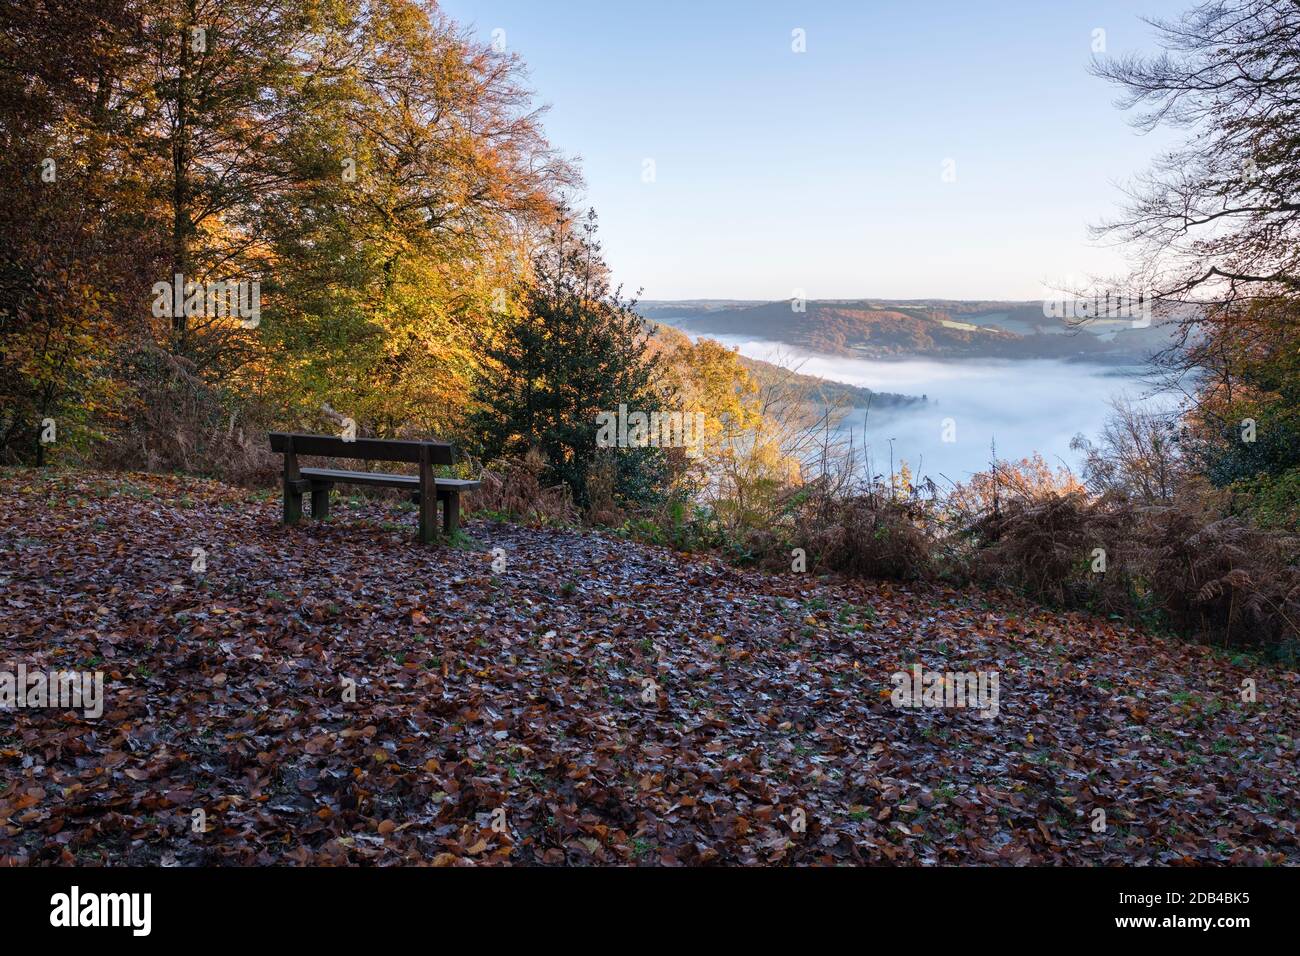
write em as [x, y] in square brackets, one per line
[823, 171]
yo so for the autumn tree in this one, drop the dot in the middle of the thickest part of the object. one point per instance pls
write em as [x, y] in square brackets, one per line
[1215, 224]
[1244, 429]
[76, 228]
[1139, 454]
[1217, 219]
[376, 172]
[423, 170]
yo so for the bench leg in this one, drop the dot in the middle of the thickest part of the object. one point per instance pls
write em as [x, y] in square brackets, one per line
[292, 505]
[451, 513]
[428, 518]
[320, 500]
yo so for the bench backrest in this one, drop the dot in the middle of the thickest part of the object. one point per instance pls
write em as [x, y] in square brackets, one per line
[371, 449]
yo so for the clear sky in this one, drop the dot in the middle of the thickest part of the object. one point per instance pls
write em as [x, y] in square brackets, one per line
[823, 171]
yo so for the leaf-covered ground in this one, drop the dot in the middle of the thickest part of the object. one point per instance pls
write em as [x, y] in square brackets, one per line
[505, 716]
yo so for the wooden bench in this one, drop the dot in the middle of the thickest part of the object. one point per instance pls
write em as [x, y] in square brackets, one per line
[426, 490]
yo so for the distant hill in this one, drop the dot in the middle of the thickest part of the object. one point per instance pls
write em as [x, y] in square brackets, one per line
[922, 327]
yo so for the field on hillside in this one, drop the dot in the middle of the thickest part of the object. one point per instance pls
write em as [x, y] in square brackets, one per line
[543, 696]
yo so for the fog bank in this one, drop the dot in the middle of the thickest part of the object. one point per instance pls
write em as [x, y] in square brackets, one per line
[1025, 406]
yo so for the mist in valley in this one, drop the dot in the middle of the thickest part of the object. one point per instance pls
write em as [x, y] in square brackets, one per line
[1025, 406]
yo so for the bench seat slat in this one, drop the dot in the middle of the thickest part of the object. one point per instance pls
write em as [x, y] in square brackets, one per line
[361, 477]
